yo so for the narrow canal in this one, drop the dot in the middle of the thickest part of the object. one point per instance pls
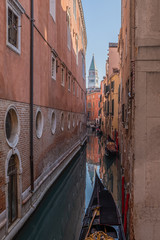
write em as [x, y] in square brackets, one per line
[60, 214]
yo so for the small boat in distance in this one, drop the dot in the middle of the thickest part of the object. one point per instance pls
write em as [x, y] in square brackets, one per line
[110, 149]
[102, 219]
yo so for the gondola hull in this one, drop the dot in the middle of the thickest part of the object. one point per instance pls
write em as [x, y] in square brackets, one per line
[102, 214]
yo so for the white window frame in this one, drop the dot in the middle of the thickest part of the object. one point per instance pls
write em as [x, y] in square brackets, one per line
[69, 82]
[74, 88]
[68, 29]
[17, 9]
[53, 72]
[77, 91]
[83, 66]
[76, 39]
[52, 4]
[62, 76]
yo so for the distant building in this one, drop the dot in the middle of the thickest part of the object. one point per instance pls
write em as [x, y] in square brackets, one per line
[93, 99]
[93, 93]
[93, 75]
[109, 97]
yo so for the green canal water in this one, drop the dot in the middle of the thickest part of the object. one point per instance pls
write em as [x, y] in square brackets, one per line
[60, 214]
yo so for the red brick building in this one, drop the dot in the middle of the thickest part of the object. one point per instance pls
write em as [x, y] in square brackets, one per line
[42, 101]
[93, 99]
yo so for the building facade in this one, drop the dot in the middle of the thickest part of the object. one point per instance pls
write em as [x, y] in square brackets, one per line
[42, 101]
[93, 99]
[109, 97]
[139, 118]
[111, 106]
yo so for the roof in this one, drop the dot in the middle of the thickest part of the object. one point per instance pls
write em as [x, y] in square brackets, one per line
[93, 65]
[113, 45]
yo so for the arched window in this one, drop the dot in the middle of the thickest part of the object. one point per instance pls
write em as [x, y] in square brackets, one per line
[68, 28]
[12, 190]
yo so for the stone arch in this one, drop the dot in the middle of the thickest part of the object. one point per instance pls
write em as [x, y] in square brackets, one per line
[17, 158]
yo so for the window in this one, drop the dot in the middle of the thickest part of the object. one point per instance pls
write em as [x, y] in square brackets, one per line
[73, 87]
[62, 76]
[112, 86]
[81, 94]
[14, 11]
[68, 29]
[53, 9]
[69, 82]
[39, 123]
[77, 120]
[53, 67]
[77, 49]
[53, 122]
[73, 121]
[113, 107]
[119, 94]
[69, 121]
[108, 108]
[12, 190]
[123, 113]
[62, 121]
[89, 105]
[83, 67]
[82, 38]
[12, 127]
[74, 8]
[77, 91]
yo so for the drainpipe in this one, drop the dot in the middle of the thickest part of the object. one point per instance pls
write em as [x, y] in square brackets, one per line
[31, 94]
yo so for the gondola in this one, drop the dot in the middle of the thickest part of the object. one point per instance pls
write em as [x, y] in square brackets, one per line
[110, 149]
[102, 219]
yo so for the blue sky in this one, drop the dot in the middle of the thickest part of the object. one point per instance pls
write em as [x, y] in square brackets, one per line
[103, 22]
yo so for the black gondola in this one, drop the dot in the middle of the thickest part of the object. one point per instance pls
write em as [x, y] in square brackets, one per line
[102, 217]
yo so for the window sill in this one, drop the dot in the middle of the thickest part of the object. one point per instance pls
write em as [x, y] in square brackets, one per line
[13, 225]
[13, 48]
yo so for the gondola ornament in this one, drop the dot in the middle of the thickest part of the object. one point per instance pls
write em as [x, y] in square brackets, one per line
[99, 236]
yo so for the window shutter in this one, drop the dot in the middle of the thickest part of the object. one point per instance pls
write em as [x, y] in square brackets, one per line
[113, 107]
[119, 94]
[104, 88]
[108, 108]
[112, 85]
[122, 113]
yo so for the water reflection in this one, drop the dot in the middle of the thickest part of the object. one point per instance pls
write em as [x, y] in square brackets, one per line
[59, 215]
[108, 168]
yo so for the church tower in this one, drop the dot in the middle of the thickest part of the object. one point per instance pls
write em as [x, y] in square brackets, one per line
[93, 75]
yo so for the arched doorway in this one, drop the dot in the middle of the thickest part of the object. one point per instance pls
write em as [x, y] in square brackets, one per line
[12, 190]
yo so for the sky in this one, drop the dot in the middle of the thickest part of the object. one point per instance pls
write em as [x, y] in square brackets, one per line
[103, 22]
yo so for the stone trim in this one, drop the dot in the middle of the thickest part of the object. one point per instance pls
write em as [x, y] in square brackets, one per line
[16, 4]
[83, 22]
[13, 143]
[19, 185]
[3, 219]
